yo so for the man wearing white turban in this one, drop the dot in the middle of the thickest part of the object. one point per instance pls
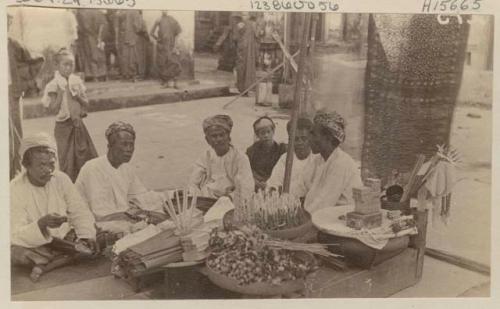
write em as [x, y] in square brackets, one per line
[221, 170]
[45, 205]
[334, 173]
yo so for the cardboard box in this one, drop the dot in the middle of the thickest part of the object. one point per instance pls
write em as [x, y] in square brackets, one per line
[362, 194]
[366, 200]
[359, 221]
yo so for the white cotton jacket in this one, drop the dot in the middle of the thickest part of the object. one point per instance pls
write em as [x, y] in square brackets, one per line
[29, 203]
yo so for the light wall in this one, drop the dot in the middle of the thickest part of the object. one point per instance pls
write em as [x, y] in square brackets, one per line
[39, 28]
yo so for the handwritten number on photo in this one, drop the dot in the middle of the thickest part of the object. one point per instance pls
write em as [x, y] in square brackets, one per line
[450, 5]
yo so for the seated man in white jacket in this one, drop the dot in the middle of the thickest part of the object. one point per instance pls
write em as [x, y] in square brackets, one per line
[302, 157]
[109, 184]
[222, 170]
[45, 204]
[333, 172]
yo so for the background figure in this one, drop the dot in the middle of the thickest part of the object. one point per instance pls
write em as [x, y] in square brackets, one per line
[66, 95]
[23, 69]
[165, 31]
[111, 43]
[265, 152]
[143, 42]
[247, 55]
[91, 56]
[130, 25]
[228, 41]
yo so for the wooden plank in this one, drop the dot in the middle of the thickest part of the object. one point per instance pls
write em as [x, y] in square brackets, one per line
[419, 240]
[383, 280]
[458, 261]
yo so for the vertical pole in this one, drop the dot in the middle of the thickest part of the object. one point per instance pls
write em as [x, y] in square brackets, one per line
[306, 24]
[286, 43]
[305, 107]
[422, 217]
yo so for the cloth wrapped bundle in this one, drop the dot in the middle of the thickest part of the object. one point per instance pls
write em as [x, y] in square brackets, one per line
[158, 250]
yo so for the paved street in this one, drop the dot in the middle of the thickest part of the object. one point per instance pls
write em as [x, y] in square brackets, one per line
[169, 136]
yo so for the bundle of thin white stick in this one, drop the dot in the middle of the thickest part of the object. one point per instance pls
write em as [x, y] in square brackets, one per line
[182, 215]
[270, 210]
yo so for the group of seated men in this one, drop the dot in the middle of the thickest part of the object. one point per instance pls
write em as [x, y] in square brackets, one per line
[45, 204]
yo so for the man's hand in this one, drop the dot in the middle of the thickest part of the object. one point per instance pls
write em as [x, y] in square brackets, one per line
[51, 221]
[92, 245]
[229, 190]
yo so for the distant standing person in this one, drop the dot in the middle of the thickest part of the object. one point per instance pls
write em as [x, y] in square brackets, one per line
[228, 42]
[165, 31]
[66, 95]
[91, 27]
[23, 69]
[247, 55]
[130, 25]
[111, 42]
[142, 50]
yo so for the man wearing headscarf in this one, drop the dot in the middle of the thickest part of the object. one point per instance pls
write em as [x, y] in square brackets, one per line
[222, 170]
[109, 183]
[333, 172]
[45, 205]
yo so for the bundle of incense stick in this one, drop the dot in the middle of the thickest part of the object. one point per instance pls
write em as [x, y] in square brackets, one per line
[315, 248]
[271, 211]
[182, 212]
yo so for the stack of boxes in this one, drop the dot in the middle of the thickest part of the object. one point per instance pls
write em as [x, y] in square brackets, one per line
[367, 213]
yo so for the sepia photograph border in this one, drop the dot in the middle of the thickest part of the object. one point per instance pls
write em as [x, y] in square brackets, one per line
[491, 7]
